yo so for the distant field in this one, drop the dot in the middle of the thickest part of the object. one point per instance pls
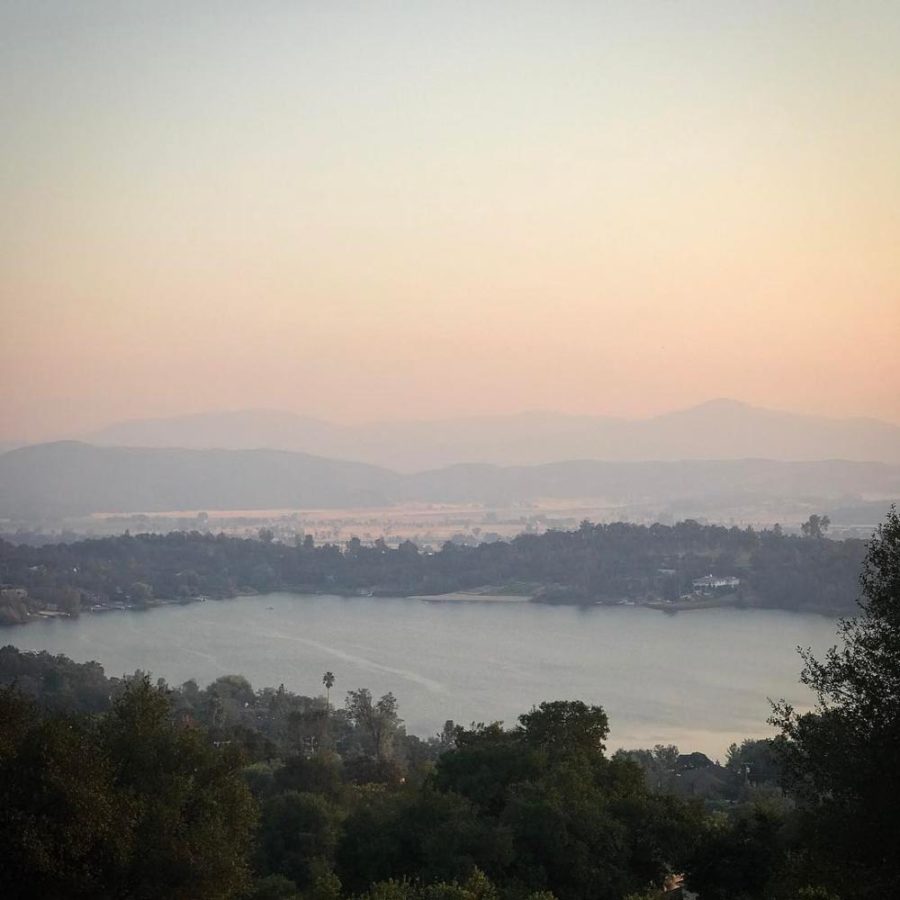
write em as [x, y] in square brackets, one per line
[426, 524]
[431, 524]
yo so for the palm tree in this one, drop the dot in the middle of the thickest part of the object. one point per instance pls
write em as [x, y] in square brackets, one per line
[328, 681]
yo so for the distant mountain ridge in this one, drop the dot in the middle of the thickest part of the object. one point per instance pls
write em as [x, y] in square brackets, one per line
[719, 429]
[71, 478]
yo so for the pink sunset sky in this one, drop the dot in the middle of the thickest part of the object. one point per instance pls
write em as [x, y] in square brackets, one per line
[380, 210]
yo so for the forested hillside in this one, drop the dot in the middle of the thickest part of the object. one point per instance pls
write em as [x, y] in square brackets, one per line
[596, 563]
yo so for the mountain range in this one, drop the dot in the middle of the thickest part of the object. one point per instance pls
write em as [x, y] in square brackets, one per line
[719, 454]
[73, 479]
[719, 429]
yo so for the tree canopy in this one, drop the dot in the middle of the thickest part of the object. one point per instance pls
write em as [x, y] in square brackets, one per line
[596, 563]
[842, 758]
[126, 805]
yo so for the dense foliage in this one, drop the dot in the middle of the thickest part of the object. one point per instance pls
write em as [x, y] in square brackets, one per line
[122, 788]
[843, 759]
[596, 563]
[116, 787]
[121, 805]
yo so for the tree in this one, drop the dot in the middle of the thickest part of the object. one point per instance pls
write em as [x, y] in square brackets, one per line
[446, 737]
[141, 593]
[320, 774]
[476, 887]
[741, 857]
[422, 834]
[582, 825]
[566, 726]
[69, 602]
[190, 812]
[124, 805]
[841, 758]
[815, 526]
[378, 720]
[658, 765]
[63, 831]
[274, 887]
[328, 681]
[298, 836]
[754, 759]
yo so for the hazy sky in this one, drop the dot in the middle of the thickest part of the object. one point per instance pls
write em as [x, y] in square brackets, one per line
[414, 209]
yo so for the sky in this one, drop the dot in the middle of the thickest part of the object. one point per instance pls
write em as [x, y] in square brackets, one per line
[420, 210]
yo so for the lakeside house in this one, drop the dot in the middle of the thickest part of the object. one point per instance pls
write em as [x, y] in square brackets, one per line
[710, 583]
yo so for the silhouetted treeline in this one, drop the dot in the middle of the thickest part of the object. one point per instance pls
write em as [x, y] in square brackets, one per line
[343, 798]
[119, 787]
[596, 563]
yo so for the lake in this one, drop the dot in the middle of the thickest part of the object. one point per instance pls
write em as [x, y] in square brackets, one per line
[699, 679]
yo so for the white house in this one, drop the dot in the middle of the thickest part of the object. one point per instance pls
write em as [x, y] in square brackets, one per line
[714, 582]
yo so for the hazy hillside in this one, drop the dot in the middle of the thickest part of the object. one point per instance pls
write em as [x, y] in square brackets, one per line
[720, 429]
[71, 478]
[248, 429]
[659, 481]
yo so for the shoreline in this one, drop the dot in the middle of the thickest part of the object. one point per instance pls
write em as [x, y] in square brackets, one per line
[485, 595]
[472, 597]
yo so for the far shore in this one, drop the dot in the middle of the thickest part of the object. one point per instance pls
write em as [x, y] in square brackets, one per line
[486, 594]
[497, 595]
[473, 597]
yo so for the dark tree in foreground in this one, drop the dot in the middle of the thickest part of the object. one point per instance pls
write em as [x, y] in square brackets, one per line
[126, 805]
[843, 759]
[579, 824]
[566, 726]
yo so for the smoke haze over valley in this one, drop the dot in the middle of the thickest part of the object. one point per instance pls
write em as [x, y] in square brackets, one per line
[720, 459]
[719, 429]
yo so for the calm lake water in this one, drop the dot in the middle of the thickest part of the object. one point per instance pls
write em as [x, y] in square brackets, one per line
[698, 679]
